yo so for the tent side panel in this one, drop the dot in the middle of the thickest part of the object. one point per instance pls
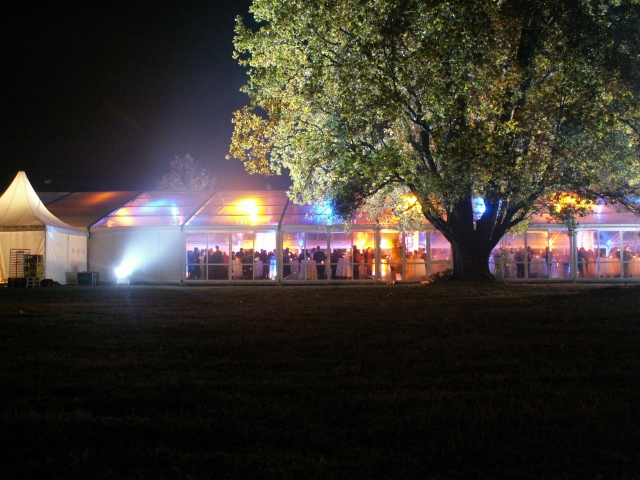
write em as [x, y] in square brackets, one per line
[101, 256]
[56, 257]
[137, 249]
[77, 257]
[78, 253]
[152, 255]
[27, 240]
[170, 257]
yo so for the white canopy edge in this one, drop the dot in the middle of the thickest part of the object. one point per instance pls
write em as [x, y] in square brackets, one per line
[20, 206]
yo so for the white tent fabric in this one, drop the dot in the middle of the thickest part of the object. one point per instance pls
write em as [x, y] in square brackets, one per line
[25, 223]
[20, 206]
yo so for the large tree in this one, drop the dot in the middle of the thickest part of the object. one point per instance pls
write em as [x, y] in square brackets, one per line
[519, 102]
[186, 174]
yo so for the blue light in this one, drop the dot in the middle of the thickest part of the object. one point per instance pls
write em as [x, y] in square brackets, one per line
[479, 206]
[323, 209]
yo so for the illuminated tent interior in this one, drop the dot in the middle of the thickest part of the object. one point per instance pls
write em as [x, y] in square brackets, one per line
[27, 227]
[261, 236]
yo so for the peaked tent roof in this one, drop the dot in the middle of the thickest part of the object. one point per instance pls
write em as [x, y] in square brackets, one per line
[20, 206]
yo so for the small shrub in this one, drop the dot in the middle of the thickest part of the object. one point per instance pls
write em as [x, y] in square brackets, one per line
[440, 277]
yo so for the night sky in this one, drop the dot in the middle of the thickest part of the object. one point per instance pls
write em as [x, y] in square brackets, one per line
[103, 96]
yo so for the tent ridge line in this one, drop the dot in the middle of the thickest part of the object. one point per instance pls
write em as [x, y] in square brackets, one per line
[138, 193]
[198, 210]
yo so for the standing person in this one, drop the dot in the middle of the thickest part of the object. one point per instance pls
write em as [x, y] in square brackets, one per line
[356, 259]
[371, 261]
[265, 263]
[319, 257]
[519, 259]
[583, 261]
[335, 256]
[196, 263]
[218, 267]
[189, 264]
[286, 267]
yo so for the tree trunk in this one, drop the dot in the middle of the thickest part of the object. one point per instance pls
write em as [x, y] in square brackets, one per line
[472, 241]
[471, 260]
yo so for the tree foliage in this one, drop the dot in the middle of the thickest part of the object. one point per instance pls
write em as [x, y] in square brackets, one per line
[186, 174]
[527, 104]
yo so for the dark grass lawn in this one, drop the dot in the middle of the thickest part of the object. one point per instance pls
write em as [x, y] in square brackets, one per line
[504, 381]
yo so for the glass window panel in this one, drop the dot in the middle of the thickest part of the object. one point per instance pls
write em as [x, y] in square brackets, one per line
[340, 259]
[631, 241]
[538, 254]
[307, 255]
[440, 248]
[514, 244]
[608, 254]
[560, 255]
[416, 255]
[242, 255]
[217, 259]
[317, 258]
[587, 253]
[264, 258]
[631, 254]
[391, 259]
[293, 246]
[364, 241]
[360, 254]
[196, 252]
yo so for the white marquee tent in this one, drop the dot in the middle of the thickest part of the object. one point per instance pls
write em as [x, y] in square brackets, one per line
[26, 224]
[155, 234]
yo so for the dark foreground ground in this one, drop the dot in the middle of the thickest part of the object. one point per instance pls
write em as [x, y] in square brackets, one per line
[320, 382]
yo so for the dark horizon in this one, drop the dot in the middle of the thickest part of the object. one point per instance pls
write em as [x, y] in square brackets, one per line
[103, 97]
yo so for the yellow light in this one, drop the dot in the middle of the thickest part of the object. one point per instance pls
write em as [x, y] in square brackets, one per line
[248, 207]
[121, 218]
[562, 201]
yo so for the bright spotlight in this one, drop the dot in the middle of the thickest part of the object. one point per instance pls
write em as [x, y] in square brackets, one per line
[123, 272]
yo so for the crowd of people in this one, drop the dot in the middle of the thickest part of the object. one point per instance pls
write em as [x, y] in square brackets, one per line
[360, 260]
[213, 264]
[537, 263]
[588, 261]
[545, 263]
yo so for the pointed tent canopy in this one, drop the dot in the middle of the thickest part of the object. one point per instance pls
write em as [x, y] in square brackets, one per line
[20, 206]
